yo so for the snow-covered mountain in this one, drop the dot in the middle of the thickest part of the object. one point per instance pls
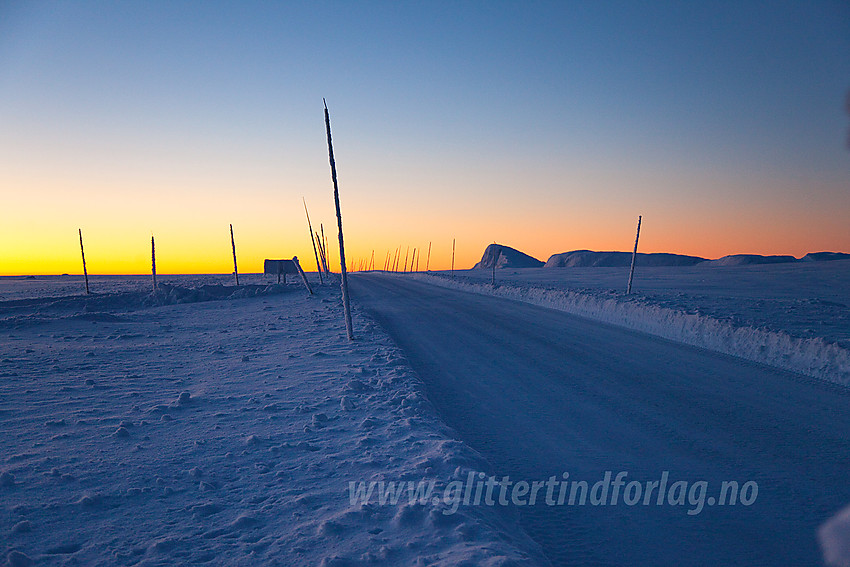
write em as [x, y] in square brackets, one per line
[589, 258]
[506, 257]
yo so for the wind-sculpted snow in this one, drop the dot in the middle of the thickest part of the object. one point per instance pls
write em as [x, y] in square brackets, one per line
[813, 357]
[165, 428]
[104, 306]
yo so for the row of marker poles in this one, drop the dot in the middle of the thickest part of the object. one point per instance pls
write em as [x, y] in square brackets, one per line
[153, 260]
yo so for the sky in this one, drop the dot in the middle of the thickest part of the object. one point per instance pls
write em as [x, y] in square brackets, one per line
[546, 126]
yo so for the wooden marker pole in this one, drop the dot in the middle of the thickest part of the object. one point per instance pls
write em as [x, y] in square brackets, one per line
[313, 242]
[406, 254]
[428, 259]
[233, 246]
[153, 262]
[83, 253]
[453, 256]
[346, 304]
[634, 256]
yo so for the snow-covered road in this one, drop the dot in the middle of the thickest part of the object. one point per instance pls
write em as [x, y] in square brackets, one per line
[540, 392]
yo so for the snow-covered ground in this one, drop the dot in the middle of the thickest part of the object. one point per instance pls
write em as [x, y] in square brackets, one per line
[794, 316]
[162, 429]
[212, 424]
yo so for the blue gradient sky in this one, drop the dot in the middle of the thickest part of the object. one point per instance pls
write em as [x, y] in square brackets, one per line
[548, 126]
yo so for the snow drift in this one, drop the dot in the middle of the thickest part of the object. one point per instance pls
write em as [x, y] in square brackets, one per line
[506, 257]
[589, 258]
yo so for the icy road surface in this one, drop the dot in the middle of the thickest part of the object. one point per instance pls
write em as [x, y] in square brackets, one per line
[540, 392]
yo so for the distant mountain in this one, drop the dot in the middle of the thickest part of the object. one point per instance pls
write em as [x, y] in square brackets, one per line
[506, 257]
[751, 259]
[824, 256]
[591, 259]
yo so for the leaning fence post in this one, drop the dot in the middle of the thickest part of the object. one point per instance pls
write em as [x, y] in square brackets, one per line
[634, 255]
[346, 305]
[303, 275]
[83, 253]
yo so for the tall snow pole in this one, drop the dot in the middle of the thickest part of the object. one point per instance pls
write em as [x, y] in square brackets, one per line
[346, 304]
[322, 255]
[372, 263]
[417, 260]
[325, 248]
[233, 247]
[153, 262]
[634, 255]
[453, 256]
[406, 255]
[315, 252]
[428, 259]
[83, 254]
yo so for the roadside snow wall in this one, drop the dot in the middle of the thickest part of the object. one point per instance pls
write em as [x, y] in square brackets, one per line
[811, 357]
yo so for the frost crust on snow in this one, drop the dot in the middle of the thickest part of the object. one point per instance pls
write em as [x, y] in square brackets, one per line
[812, 357]
[224, 433]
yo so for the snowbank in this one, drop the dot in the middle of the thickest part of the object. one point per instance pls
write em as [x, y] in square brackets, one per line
[812, 357]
